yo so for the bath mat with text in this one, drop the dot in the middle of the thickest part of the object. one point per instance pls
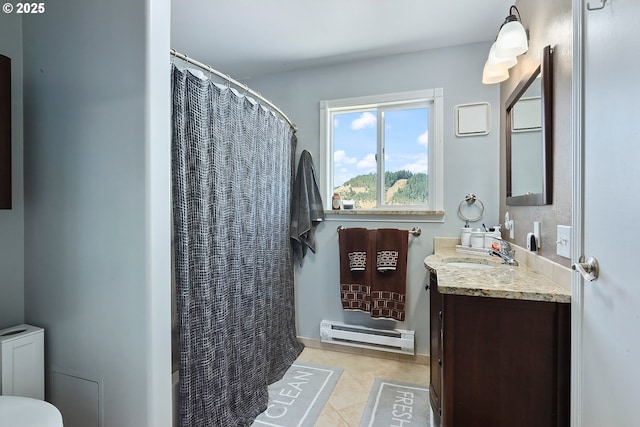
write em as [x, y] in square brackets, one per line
[299, 397]
[395, 403]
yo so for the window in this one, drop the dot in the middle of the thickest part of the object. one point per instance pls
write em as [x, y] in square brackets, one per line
[384, 152]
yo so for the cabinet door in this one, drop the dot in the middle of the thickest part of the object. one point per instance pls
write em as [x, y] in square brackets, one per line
[435, 327]
[505, 363]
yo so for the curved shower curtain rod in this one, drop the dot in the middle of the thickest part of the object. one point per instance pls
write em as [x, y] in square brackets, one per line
[228, 78]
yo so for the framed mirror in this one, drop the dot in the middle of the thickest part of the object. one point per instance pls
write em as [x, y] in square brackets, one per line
[529, 137]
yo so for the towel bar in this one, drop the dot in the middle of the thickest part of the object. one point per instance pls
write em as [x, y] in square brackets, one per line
[416, 231]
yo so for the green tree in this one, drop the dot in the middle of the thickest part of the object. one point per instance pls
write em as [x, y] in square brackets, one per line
[414, 193]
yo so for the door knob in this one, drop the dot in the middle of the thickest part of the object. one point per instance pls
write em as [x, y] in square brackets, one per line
[588, 269]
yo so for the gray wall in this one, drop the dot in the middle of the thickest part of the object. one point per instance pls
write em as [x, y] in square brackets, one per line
[471, 166]
[549, 23]
[97, 240]
[12, 221]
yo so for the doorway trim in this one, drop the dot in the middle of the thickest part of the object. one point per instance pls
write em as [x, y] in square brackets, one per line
[577, 212]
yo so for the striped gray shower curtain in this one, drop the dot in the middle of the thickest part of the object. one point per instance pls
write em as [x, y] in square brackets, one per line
[232, 173]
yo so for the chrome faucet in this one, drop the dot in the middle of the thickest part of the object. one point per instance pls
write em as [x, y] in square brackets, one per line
[505, 252]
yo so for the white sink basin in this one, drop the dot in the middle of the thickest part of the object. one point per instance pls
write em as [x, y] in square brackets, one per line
[469, 264]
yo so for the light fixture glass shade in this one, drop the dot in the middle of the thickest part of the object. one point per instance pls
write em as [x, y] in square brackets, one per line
[494, 74]
[512, 40]
[494, 60]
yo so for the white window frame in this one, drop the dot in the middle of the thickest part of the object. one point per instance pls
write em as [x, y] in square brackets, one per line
[401, 99]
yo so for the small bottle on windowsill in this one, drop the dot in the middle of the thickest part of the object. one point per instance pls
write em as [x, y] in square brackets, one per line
[335, 202]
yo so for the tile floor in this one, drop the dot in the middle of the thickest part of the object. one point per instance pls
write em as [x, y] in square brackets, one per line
[350, 395]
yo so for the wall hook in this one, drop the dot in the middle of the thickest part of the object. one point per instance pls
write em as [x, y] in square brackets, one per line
[602, 5]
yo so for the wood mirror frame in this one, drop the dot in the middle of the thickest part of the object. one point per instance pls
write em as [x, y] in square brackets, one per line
[545, 196]
[5, 132]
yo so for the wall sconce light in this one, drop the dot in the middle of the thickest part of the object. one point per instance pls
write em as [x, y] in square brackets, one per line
[511, 42]
[494, 73]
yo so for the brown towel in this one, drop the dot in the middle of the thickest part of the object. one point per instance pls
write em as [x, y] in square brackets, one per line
[356, 268]
[388, 288]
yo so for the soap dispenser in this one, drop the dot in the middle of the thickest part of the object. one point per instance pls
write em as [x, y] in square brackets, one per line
[532, 242]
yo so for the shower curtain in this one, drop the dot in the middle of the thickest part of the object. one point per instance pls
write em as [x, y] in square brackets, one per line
[232, 173]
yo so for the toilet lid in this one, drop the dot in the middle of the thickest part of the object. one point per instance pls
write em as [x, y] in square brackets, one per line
[26, 412]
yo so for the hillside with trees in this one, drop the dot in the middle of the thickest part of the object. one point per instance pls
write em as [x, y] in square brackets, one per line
[401, 188]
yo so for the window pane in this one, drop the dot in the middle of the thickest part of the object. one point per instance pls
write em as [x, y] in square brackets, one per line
[354, 157]
[406, 142]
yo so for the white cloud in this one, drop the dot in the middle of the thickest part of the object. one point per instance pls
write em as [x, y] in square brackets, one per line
[340, 157]
[420, 164]
[423, 139]
[366, 120]
[341, 176]
[336, 122]
[368, 162]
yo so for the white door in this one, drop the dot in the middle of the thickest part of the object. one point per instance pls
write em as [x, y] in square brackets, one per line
[607, 316]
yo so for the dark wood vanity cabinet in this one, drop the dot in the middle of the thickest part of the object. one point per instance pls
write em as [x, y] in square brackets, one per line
[498, 362]
[435, 329]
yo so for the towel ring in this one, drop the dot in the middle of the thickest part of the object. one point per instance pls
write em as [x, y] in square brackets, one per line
[470, 199]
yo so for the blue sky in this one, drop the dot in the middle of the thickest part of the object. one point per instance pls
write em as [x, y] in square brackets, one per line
[354, 142]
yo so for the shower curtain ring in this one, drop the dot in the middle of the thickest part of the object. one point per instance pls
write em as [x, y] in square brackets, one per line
[228, 81]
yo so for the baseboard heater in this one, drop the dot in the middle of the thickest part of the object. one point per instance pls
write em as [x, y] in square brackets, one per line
[393, 340]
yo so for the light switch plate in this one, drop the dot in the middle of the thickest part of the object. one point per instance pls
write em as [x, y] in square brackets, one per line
[563, 241]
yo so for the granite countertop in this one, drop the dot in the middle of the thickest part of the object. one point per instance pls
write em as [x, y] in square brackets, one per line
[501, 281]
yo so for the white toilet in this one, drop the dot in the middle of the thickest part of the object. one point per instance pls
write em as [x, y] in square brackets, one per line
[27, 412]
[22, 379]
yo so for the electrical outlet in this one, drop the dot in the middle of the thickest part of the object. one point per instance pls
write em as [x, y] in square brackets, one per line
[508, 224]
[563, 241]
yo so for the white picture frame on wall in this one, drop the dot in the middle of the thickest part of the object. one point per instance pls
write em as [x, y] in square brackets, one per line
[472, 119]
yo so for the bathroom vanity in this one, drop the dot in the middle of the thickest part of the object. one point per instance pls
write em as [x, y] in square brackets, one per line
[500, 344]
